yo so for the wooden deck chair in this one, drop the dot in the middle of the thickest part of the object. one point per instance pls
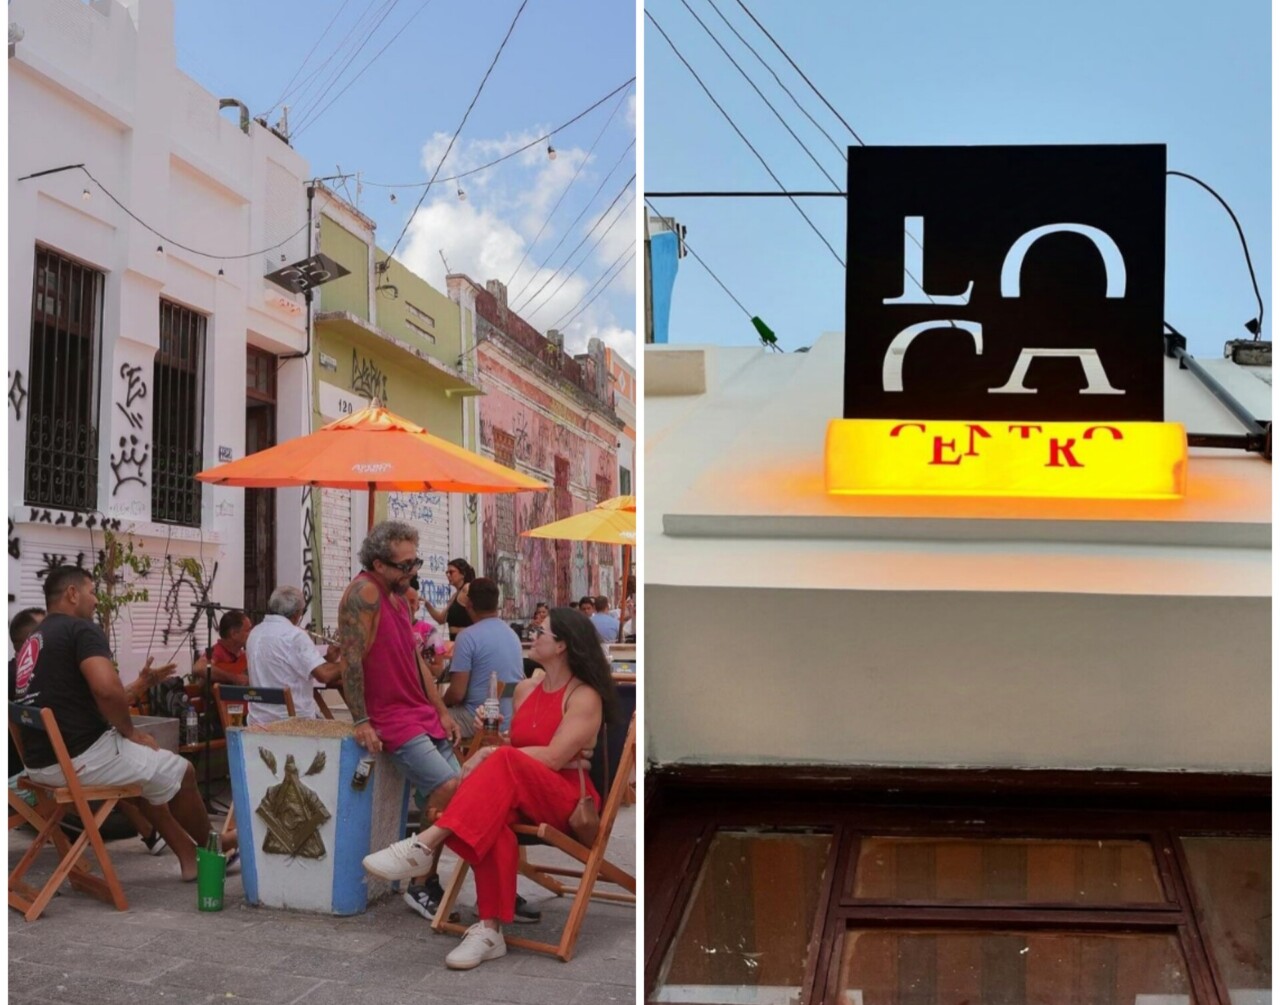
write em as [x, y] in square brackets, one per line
[225, 694]
[469, 745]
[53, 804]
[617, 764]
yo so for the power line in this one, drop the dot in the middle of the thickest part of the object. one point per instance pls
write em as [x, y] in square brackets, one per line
[146, 226]
[778, 115]
[794, 100]
[302, 66]
[587, 292]
[311, 119]
[621, 270]
[453, 139]
[569, 229]
[533, 296]
[300, 94]
[689, 248]
[507, 156]
[812, 87]
[581, 164]
[748, 195]
[729, 119]
[568, 275]
[310, 108]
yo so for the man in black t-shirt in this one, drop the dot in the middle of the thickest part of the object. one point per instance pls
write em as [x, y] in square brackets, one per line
[66, 665]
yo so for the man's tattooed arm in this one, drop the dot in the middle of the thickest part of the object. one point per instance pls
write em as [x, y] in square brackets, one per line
[355, 636]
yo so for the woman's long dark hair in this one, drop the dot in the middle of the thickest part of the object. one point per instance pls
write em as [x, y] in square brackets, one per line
[464, 567]
[585, 656]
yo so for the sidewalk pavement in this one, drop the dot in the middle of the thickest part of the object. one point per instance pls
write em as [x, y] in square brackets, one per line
[162, 950]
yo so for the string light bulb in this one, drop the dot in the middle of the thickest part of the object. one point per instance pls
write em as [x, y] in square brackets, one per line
[462, 196]
[86, 195]
[551, 152]
[159, 250]
[393, 197]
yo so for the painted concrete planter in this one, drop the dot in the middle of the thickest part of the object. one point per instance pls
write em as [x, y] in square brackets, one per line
[304, 826]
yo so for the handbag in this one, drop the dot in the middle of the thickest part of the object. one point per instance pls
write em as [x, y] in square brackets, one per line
[584, 821]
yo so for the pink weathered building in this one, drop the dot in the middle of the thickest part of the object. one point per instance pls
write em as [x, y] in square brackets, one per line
[551, 416]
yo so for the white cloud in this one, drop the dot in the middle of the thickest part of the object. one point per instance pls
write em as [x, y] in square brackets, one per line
[487, 235]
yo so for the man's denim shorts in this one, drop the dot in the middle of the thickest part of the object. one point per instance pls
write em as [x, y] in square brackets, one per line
[427, 763]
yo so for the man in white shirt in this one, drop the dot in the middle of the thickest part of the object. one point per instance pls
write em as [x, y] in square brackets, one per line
[282, 655]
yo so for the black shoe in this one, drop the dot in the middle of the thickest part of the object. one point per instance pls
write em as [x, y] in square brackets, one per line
[425, 899]
[155, 843]
[525, 915]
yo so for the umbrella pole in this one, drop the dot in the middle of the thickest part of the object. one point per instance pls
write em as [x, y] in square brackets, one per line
[371, 495]
[626, 578]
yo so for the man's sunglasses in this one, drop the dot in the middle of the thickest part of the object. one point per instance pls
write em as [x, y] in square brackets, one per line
[409, 566]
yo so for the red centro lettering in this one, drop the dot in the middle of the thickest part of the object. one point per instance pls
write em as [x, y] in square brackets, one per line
[1058, 451]
[939, 445]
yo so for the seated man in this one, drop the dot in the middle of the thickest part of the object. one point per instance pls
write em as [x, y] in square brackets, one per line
[20, 629]
[605, 620]
[488, 647]
[229, 656]
[282, 655]
[65, 665]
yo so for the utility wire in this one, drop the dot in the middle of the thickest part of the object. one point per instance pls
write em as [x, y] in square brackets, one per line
[689, 248]
[302, 94]
[794, 100]
[776, 114]
[466, 115]
[303, 65]
[572, 310]
[623, 268]
[311, 119]
[812, 87]
[569, 229]
[600, 219]
[729, 119]
[581, 164]
[595, 244]
[309, 110]
[507, 156]
[146, 226]
[1243, 243]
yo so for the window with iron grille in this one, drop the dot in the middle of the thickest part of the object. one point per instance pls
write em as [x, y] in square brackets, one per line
[624, 481]
[504, 452]
[177, 414]
[62, 426]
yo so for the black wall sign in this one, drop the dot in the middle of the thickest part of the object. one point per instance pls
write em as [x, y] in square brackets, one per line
[1044, 273]
[308, 273]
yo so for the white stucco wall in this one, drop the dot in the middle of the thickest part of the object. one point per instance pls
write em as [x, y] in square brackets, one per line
[787, 626]
[98, 84]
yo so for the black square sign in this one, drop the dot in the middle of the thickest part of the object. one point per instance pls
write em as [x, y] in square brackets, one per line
[1005, 283]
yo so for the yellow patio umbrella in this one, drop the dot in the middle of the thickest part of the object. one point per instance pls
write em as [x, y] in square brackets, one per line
[606, 524]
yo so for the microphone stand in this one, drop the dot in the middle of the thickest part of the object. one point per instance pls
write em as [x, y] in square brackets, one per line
[209, 611]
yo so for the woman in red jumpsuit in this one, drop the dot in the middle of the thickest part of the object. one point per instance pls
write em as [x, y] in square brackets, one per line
[534, 780]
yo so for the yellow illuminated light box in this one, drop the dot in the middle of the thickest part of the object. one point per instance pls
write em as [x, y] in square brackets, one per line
[1062, 460]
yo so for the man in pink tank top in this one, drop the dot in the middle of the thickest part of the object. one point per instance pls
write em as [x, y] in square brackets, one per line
[390, 691]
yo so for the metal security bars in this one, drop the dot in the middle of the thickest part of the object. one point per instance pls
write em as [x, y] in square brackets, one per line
[62, 427]
[178, 416]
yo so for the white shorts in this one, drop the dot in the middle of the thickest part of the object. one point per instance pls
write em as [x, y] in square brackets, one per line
[113, 760]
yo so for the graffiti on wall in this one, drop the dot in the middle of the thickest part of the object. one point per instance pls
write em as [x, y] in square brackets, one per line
[308, 557]
[135, 390]
[129, 464]
[367, 380]
[17, 393]
[185, 590]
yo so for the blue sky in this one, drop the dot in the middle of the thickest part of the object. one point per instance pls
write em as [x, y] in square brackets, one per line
[1192, 75]
[393, 123]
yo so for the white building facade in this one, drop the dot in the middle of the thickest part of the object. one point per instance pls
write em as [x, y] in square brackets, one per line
[134, 362]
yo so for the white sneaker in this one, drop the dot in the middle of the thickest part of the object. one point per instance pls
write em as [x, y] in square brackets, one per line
[402, 860]
[479, 944]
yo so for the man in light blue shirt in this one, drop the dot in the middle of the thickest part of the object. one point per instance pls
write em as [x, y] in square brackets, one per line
[597, 609]
[488, 647]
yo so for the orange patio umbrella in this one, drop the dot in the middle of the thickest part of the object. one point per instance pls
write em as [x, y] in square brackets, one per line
[372, 449]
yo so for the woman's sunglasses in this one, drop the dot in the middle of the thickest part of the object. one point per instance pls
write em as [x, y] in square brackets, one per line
[540, 630]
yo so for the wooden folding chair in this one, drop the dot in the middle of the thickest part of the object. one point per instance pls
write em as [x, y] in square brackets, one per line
[225, 694]
[53, 804]
[617, 765]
